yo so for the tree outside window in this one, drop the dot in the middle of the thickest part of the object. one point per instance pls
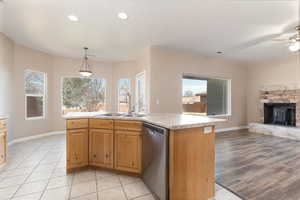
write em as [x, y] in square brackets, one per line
[83, 94]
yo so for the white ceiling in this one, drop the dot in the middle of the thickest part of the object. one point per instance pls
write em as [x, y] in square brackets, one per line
[202, 26]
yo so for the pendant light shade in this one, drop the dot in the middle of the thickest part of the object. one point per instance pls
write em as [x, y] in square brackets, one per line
[85, 69]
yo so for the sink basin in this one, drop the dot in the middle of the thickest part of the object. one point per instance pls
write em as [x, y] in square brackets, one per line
[122, 115]
[134, 115]
[111, 114]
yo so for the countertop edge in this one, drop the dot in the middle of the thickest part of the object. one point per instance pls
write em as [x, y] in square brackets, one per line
[2, 117]
[142, 119]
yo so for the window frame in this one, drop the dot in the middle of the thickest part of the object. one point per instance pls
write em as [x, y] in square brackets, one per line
[44, 96]
[74, 76]
[130, 91]
[229, 92]
[137, 76]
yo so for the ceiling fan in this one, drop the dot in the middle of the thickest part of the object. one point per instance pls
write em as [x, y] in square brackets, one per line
[293, 41]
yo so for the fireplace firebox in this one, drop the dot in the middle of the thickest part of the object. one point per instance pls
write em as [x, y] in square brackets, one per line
[280, 113]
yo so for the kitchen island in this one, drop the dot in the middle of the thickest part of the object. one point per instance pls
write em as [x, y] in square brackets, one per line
[115, 142]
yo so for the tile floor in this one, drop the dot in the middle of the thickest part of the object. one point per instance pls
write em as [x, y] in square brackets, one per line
[36, 170]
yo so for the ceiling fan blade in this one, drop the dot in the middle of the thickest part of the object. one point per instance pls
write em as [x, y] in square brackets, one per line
[281, 40]
[256, 41]
[290, 28]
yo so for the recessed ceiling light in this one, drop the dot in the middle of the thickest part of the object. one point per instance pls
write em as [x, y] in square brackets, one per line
[123, 15]
[73, 18]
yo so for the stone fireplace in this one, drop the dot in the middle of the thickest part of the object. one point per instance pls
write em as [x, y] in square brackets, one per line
[279, 112]
[283, 104]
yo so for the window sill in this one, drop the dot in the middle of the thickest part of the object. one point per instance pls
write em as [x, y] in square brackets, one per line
[216, 116]
[35, 118]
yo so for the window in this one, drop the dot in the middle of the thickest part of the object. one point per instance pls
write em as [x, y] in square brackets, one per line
[83, 94]
[35, 89]
[140, 93]
[206, 96]
[124, 95]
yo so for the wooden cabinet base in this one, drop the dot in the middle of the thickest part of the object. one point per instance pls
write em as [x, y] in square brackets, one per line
[108, 144]
[192, 164]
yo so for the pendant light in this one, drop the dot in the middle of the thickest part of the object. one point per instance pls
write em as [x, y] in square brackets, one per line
[85, 67]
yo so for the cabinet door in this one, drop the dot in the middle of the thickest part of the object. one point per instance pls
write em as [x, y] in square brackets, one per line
[128, 151]
[2, 148]
[101, 148]
[77, 148]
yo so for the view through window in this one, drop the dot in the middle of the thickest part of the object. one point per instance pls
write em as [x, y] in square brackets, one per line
[140, 93]
[35, 84]
[205, 96]
[123, 95]
[83, 94]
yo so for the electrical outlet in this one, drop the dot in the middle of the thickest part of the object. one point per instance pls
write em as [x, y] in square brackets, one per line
[207, 130]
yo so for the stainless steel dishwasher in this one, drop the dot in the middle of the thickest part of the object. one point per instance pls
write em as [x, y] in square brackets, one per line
[155, 160]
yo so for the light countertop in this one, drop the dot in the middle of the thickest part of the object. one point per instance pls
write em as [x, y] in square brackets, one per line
[4, 117]
[169, 121]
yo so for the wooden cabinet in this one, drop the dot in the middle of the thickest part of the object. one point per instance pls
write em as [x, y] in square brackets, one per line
[192, 164]
[77, 148]
[128, 151]
[3, 143]
[101, 148]
[2, 147]
[2, 124]
[101, 123]
[77, 123]
[128, 125]
[114, 144]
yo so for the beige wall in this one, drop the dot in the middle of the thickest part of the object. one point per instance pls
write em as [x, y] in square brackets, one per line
[26, 58]
[164, 69]
[17, 58]
[167, 69]
[6, 69]
[63, 67]
[282, 72]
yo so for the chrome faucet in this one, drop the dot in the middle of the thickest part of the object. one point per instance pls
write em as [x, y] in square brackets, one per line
[131, 108]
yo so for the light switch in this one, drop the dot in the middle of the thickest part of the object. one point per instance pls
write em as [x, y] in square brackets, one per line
[157, 101]
[207, 130]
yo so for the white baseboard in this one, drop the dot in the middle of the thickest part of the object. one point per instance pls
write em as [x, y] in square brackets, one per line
[231, 129]
[23, 139]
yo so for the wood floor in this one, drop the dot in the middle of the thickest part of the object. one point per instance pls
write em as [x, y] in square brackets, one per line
[257, 166]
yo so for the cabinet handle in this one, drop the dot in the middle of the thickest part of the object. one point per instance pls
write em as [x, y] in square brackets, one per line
[106, 155]
[132, 163]
[95, 156]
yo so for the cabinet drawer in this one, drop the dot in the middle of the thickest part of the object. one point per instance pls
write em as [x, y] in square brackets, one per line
[2, 124]
[101, 123]
[128, 125]
[3, 132]
[128, 133]
[77, 123]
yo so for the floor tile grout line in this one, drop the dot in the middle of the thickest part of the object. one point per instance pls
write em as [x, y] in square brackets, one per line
[123, 189]
[26, 178]
[49, 152]
[31, 173]
[45, 189]
[97, 192]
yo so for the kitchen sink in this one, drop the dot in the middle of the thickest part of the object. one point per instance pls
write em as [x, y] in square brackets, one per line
[134, 115]
[112, 114]
[122, 115]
